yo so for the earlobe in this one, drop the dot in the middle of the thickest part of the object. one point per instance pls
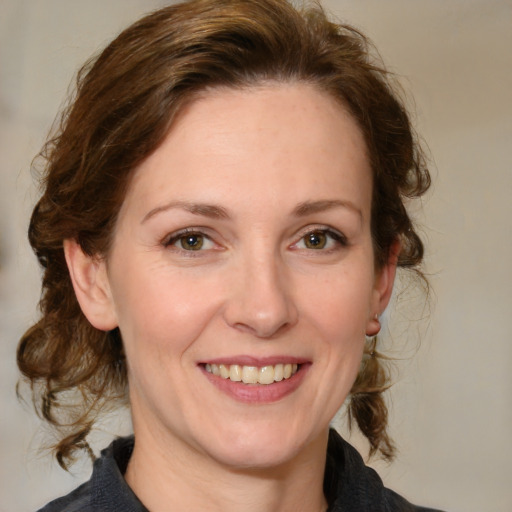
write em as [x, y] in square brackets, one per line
[91, 285]
[383, 289]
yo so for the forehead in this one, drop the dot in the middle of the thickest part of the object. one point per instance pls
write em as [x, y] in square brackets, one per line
[268, 107]
[291, 138]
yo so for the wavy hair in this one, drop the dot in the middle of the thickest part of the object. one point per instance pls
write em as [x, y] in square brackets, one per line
[125, 101]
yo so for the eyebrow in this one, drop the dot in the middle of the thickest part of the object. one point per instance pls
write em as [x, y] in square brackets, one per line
[205, 210]
[218, 212]
[311, 207]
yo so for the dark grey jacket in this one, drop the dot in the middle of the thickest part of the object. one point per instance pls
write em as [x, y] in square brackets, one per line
[349, 485]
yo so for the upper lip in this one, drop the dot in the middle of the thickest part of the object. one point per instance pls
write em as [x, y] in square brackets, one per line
[246, 360]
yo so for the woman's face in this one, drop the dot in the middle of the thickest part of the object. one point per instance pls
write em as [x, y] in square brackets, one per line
[242, 253]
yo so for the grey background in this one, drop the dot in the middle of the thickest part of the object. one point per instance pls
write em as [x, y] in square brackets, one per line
[452, 404]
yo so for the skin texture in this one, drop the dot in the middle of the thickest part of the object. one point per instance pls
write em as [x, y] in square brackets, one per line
[267, 166]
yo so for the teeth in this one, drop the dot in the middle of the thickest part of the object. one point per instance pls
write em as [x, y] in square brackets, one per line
[235, 372]
[249, 374]
[253, 374]
[266, 375]
[278, 372]
[224, 371]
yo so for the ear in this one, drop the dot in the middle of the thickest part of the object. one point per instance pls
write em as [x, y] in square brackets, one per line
[91, 285]
[383, 288]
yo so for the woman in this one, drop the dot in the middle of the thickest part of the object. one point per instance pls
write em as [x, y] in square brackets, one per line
[221, 221]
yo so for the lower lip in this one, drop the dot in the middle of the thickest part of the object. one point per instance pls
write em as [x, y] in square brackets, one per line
[258, 393]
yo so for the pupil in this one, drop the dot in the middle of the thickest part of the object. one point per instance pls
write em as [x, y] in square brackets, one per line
[193, 242]
[315, 240]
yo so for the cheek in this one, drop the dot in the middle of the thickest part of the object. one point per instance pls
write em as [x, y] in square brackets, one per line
[339, 304]
[161, 314]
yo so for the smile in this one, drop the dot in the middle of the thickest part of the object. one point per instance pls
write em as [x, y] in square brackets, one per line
[253, 374]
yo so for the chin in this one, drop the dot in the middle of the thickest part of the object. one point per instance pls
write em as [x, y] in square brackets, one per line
[258, 448]
[255, 457]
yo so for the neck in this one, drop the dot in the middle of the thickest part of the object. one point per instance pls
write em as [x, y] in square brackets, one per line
[175, 477]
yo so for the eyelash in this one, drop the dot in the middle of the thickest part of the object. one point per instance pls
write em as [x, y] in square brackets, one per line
[338, 238]
[181, 235]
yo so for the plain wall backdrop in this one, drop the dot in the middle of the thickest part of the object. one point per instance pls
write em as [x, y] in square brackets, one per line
[452, 405]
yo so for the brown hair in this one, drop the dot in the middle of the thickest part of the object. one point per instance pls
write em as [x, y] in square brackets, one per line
[125, 102]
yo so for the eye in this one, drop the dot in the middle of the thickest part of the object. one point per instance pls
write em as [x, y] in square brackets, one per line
[190, 241]
[315, 240]
[321, 239]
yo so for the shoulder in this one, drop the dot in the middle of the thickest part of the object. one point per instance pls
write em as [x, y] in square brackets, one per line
[78, 500]
[350, 485]
[107, 490]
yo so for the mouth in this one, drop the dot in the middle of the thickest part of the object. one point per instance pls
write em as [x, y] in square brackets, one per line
[263, 375]
[254, 380]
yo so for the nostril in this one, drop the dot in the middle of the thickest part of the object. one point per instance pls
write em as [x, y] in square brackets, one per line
[262, 331]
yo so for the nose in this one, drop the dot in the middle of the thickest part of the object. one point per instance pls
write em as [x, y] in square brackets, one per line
[261, 298]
